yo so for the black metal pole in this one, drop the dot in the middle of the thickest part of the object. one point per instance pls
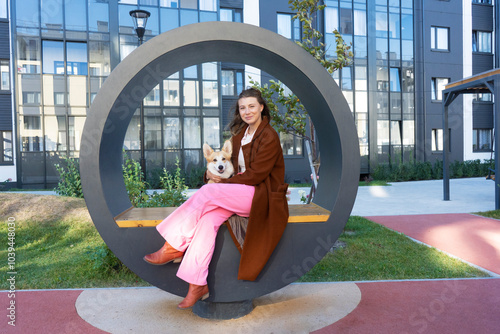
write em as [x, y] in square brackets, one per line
[496, 125]
[446, 144]
[142, 161]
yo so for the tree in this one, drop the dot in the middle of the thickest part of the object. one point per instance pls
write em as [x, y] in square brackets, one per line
[292, 118]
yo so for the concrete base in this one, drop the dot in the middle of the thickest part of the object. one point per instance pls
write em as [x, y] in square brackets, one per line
[223, 311]
[297, 308]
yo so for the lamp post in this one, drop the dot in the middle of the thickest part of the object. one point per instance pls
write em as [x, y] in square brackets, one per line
[140, 19]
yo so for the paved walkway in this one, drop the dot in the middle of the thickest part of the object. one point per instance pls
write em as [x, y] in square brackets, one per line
[416, 306]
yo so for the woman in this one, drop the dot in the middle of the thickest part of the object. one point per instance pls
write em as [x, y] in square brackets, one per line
[258, 191]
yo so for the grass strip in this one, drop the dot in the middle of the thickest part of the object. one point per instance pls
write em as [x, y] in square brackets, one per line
[374, 252]
[495, 214]
[63, 254]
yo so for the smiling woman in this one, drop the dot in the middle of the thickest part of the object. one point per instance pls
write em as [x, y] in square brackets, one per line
[114, 106]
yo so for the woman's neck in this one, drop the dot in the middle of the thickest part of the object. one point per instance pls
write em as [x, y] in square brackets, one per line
[253, 127]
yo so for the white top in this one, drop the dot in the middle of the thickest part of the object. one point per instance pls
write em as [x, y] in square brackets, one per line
[247, 138]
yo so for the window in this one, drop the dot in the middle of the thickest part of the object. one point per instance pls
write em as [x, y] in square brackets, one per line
[52, 14]
[395, 79]
[53, 57]
[29, 15]
[287, 27]
[481, 41]
[169, 3]
[3, 9]
[76, 14]
[232, 82]
[76, 58]
[171, 90]
[291, 145]
[437, 140]
[482, 97]
[231, 15]
[6, 156]
[191, 4]
[32, 122]
[98, 16]
[210, 86]
[439, 39]
[4, 75]
[483, 2]
[28, 49]
[210, 5]
[31, 97]
[437, 87]
[482, 140]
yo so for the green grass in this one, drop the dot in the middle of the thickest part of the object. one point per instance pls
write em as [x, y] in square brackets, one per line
[62, 255]
[299, 185]
[490, 214]
[361, 184]
[373, 183]
[374, 252]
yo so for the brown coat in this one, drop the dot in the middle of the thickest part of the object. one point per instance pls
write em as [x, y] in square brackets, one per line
[265, 169]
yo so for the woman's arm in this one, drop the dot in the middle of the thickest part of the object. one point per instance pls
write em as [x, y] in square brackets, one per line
[213, 177]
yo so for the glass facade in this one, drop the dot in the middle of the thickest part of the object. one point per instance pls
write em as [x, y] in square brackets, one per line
[64, 53]
[379, 86]
[64, 50]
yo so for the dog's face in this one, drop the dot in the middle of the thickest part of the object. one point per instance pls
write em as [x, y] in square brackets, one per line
[219, 162]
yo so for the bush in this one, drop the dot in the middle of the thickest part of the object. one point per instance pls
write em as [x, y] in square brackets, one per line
[70, 183]
[437, 170]
[153, 179]
[410, 171]
[173, 184]
[174, 193]
[134, 182]
[194, 178]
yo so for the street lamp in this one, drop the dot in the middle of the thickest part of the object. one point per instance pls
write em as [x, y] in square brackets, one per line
[140, 19]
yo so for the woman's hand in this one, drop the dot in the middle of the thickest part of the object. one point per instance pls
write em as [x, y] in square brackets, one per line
[213, 177]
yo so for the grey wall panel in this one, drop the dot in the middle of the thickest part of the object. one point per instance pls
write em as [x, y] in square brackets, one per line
[4, 40]
[481, 63]
[430, 64]
[482, 17]
[232, 66]
[482, 116]
[231, 3]
[5, 112]
[227, 104]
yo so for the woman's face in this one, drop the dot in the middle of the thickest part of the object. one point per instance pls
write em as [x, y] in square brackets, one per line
[250, 111]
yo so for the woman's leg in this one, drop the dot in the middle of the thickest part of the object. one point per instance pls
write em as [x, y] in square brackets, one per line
[194, 265]
[179, 227]
[196, 222]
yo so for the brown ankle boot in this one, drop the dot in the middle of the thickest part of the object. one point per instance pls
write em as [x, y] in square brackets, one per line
[195, 293]
[164, 255]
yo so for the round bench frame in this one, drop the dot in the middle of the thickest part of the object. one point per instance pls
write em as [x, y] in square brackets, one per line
[302, 245]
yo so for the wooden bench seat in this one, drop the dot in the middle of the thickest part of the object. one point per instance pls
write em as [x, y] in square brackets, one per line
[141, 217]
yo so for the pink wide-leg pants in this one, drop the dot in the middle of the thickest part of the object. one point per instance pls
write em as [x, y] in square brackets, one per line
[192, 227]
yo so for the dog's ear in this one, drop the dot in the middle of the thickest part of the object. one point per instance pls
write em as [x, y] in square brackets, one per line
[228, 147]
[207, 150]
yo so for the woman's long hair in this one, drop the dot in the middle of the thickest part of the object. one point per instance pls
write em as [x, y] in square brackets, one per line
[237, 124]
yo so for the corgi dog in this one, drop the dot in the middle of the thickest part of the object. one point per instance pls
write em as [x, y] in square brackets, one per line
[219, 162]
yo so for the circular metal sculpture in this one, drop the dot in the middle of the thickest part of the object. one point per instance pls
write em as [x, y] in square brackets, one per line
[302, 245]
